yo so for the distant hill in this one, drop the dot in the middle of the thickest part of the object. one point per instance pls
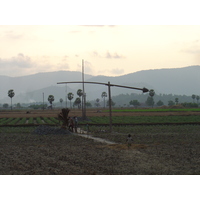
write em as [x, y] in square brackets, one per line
[180, 81]
[26, 86]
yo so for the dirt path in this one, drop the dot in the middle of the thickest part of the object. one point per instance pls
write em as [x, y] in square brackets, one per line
[95, 138]
[85, 135]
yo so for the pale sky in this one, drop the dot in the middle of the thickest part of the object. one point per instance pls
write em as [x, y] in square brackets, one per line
[106, 49]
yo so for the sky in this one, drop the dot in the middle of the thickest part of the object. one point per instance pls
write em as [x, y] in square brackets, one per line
[112, 49]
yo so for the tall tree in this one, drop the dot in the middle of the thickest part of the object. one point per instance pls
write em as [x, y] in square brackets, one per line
[51, 99]
[77, 102]
[11, 94]
[149, 101]
[176, 100]
[97, 104]
[79, 92]
[193, 97]
[70, 96]
[151, 94]
[104, 95]
[197, 98]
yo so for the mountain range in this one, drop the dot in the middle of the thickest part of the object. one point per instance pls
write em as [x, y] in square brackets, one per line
[180, 81]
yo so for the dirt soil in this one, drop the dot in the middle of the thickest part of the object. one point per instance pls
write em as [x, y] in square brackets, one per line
[28, 153]
[62, 155]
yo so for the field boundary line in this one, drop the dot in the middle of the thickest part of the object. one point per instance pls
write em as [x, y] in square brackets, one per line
[114, 124]
[143, 124]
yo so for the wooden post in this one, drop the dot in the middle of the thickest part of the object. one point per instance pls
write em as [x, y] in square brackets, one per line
[83, 96]
[43, 100]
[110, 106]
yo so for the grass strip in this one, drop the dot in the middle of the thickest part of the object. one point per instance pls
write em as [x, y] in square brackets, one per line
[143, 119]
[156, 110]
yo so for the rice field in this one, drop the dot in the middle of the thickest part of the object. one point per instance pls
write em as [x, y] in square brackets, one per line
[99, 120]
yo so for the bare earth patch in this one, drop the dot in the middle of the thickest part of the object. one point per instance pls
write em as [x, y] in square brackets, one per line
[28, 153]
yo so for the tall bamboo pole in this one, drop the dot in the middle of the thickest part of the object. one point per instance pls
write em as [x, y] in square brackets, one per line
[83, 96]
[110, 106]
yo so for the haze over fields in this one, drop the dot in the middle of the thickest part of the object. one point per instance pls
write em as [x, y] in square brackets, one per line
[180, 81]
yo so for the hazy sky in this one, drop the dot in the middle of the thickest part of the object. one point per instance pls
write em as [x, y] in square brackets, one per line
[106, 49]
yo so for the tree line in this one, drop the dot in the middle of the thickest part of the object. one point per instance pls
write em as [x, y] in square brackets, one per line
[150, 99]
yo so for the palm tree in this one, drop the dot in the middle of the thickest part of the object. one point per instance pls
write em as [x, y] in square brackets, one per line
[61, 100]
[70, 96]
[193, 96]
[11, 94]
[51, 99]
[151, 94]
[197, 98]
[77, 102]
[79, 92]
[104, 95]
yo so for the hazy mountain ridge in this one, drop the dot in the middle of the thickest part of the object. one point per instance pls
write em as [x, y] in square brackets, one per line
[180, 81]
[33, 83]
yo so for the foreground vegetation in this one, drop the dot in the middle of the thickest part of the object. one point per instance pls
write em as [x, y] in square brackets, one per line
[155, 150]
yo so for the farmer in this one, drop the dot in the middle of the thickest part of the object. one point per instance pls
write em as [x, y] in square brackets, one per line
[129, 140]
[71, 124]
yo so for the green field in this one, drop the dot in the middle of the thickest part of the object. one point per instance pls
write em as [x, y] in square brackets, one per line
[157, 110]
[11, 121]
[103, 120]
[144, 119]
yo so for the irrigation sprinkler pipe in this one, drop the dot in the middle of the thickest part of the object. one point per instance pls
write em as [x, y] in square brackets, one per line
[109, 93]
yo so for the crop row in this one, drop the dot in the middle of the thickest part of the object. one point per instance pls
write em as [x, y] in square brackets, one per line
[105, 120]
[29, 120]
[157, 110]
[145, 119]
